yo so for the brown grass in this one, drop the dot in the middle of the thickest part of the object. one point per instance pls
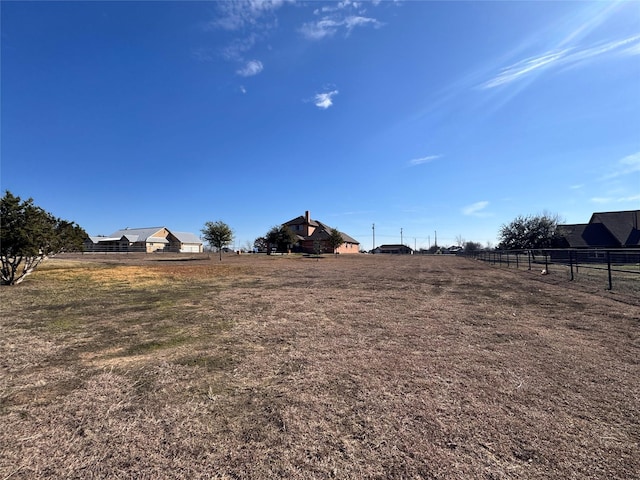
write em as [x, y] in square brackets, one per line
[351, 367]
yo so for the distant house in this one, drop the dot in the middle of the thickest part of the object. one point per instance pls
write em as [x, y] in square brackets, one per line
[604, 230]
[397, 249]
[147, 240]
[313, 236]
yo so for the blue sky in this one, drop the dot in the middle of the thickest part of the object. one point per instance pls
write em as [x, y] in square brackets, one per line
[420, 117]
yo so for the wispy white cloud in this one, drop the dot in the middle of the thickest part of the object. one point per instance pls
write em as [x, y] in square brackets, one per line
[239, 14]
[325, 100]
[354, 21]
[253, 21]
[565, 57]
[419, 161]
[605, 200]
[328, 26]
[476, 209]
[523, 68]
[236, 49]
[320, 29]
[203, 54]
[251, 68]
[625, 166]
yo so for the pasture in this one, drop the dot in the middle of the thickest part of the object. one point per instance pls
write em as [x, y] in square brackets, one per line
[349, 367]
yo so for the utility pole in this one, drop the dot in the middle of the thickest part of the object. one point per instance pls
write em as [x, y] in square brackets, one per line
[373, 227]
[401, 237]
[429, 242]
[435, 241]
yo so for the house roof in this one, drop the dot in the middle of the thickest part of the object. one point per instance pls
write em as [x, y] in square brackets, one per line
[148, 234]
[587, 235]
[186, 237]
[301, 220]
[136, 234]
[157, 240]
[325, 232]
[622, 225]
[396, 246]
[605, 229]
[322, 231]
[97, 239]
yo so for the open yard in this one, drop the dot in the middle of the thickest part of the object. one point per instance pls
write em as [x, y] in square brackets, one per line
[372, 367]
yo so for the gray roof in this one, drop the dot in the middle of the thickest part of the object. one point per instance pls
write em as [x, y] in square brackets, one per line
[148, 235]
[140, 234]
[157, 240]
[96, 239]
[186, 237]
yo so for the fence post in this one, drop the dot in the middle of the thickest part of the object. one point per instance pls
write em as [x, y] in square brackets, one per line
[609, 268]
[546, 262]
[529, 258]
[571, 264]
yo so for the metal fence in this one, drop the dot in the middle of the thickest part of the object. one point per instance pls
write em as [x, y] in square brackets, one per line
[610, 267]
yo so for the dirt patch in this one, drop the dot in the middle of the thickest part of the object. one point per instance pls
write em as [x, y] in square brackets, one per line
[285, 367]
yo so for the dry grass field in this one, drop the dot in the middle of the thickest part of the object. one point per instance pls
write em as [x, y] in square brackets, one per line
[372, 367]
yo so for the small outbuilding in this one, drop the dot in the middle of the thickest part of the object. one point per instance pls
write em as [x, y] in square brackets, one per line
[397, 249]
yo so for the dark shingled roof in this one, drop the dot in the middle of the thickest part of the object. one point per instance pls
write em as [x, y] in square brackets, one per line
[605, 230]
[622, 225]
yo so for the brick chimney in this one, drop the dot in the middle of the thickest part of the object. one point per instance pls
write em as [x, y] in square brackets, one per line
[307, 217]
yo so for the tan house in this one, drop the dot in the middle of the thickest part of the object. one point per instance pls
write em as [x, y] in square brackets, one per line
[313, 236]
[147, 240]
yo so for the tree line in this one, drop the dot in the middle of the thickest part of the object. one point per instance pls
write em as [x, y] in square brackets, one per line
[29, 234]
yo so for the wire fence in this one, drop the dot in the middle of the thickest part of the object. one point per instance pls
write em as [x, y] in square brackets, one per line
[619, 268]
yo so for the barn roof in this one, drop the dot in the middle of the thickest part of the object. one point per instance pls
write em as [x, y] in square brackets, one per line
[137, 234]
[186, 237]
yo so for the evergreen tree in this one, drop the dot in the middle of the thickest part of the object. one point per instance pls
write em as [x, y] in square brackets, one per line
[29, 234]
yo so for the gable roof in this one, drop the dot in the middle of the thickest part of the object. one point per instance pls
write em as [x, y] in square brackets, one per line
[136, 234]
[604, 230]
[587, 235]
[148, 234]
[321, 231]
[301, 221]
[623, 226]
[325, 230]
[186, 237]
